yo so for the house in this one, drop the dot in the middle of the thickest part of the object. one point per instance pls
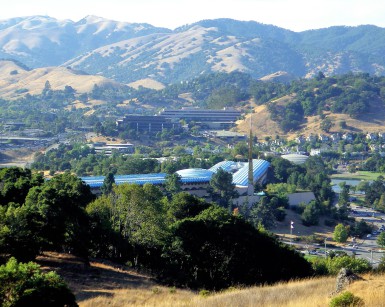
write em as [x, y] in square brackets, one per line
[335, 137]
[371, 136]
[311, 138]
[300, 139]
[348, 137]
[323, 138]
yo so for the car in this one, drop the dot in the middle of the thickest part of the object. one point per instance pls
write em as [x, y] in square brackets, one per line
[369, 235]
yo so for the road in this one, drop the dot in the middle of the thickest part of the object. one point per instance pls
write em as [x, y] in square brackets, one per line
[366, 248]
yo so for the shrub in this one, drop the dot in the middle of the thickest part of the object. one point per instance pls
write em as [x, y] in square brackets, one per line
[204, 293]
[332, 265]
[24, 284]
[346, 299]
[356, 265]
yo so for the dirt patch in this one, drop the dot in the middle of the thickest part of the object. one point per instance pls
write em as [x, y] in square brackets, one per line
[99, 278]
[283, 228]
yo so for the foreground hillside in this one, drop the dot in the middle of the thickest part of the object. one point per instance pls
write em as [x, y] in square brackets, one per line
[106, 284]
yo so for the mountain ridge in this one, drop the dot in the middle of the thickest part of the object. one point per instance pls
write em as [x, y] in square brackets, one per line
[128, 52]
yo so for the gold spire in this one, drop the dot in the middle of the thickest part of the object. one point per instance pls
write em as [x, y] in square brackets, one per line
[251, 173]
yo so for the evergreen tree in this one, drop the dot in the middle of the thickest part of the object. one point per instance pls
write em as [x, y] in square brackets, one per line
[108, 183]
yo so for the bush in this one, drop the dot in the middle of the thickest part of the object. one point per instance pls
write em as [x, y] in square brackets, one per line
[346, 299]
[332, 265]
[24, 284]
[356, 265]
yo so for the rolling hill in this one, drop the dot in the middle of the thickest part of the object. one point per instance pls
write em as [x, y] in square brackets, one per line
[16, 81]
[130, 52]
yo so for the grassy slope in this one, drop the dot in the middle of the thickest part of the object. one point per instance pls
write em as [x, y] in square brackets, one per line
[263, 126]
[107, 284]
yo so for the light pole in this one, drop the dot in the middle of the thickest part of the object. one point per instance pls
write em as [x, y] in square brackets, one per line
[291, 231]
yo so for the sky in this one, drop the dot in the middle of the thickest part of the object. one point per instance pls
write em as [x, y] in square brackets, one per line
[295, 15]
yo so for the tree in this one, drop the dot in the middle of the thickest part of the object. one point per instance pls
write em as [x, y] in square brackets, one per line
[184, 205]
[326, 124]
[24, 284]
[15, 183]
[173, 183]
[61, 203]
[47, 90]
[222, 189]
[381, 239]
[340, 233]
[108, 183]
[311, 213]
[215, 250]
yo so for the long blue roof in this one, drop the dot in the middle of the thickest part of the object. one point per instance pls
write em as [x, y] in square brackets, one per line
[192, 175]
[225, 165]
[241, 177]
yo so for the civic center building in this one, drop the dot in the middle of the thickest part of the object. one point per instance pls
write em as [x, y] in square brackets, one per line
[195, 180]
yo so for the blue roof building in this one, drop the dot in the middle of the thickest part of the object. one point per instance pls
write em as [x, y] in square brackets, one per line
[193, 179]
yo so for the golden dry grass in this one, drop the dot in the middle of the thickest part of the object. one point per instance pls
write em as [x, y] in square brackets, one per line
[373, 121]
[108, 284]
[153, 296]
[312, 292]
[304, 293]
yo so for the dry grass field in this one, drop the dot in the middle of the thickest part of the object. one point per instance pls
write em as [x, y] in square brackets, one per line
[302, 293]
[107, 284]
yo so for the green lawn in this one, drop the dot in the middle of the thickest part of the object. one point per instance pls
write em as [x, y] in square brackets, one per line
[360, 175]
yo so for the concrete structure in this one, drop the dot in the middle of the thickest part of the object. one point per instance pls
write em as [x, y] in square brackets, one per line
[206, 118]
[303, 197]
[145, 123]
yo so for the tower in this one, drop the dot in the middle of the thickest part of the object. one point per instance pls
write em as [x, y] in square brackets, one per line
[250, 188]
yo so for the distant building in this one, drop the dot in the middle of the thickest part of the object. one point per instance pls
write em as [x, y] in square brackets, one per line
[302, 197]
[109, 149]
[206, 118]
[295, 158]
[335, 137]
[348, 137]
[323, 138]
[150, 124]
[300, 139]
[311, 138]
[195, 180]
[226, 135]
[371, 136]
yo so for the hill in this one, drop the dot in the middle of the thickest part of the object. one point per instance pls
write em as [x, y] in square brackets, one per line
[16, 81]
[263, 126]
[105, 283]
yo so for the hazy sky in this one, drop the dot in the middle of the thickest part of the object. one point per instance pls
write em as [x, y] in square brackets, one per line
[296, 15]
